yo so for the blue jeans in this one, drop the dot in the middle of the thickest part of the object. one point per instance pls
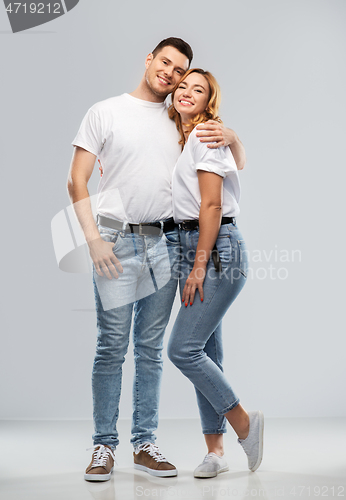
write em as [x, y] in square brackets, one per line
[145, 260]
[195, 345]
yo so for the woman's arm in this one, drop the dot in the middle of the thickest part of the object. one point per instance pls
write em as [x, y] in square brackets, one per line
[210, 214]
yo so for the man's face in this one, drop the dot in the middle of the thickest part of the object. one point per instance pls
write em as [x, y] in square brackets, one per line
[165, 70]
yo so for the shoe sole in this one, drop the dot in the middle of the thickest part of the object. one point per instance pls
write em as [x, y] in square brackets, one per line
[98, 477]
[158, 473]
[210, 474]
[260, 444]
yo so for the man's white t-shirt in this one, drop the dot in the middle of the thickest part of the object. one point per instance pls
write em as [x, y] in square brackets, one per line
[137, 144]
[186, 194]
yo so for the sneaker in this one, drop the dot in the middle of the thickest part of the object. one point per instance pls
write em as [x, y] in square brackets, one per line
[211, 466]
[253, 444]
[101, 465]
[147, 457]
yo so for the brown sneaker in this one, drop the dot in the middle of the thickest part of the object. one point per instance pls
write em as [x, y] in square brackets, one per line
[101, 465]
[147, 457]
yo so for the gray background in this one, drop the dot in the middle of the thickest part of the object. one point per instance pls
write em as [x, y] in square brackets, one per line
[281, 67]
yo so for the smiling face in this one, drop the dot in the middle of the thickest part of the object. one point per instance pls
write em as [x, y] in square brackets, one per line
[192, 96]
[165, 70]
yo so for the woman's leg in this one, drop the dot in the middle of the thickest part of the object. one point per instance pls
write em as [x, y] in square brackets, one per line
[212, 423]
[192, 331]
[193, 327]
[214, 443]
[237, 417]
[195, 324]
[239, 420]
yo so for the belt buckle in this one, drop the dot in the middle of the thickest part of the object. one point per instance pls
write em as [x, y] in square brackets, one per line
[188, 225]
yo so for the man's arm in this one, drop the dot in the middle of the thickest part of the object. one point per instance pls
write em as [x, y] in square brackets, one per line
[82, 166]
[218, 135]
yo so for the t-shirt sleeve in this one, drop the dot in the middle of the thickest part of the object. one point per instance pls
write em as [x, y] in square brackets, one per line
[220, 161]
[89, 135]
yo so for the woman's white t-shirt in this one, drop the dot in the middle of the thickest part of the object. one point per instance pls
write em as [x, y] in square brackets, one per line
[185, 188]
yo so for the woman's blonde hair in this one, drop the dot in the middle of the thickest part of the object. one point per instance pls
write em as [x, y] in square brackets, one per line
[211, 111]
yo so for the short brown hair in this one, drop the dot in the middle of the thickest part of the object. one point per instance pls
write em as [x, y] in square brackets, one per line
[178, 44]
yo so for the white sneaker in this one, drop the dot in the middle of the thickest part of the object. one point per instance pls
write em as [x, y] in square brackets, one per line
[211, 466]
[253, 444]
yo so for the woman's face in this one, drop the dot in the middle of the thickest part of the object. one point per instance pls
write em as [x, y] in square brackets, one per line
[191, 96]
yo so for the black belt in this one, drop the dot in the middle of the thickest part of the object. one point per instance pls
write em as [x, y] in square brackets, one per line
[190, 225]
[143, 228]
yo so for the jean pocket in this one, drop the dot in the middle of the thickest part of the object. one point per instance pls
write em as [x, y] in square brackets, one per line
[171, 237]
[109, 235]
[224, 247]
[242, 257]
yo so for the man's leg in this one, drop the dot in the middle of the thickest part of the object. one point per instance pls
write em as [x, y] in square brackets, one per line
[151, 318]
[152, 314]
[112, 343]
[114, 317]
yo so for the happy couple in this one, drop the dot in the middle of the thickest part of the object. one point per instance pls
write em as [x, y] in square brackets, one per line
[167, 199]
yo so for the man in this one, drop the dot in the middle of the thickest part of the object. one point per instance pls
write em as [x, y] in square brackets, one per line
[134, 242]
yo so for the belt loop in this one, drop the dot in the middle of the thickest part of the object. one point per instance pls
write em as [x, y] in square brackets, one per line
[97, 219]
[123, 230]
[162, 226]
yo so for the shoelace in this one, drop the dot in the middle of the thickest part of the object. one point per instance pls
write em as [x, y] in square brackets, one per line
[153, 451]
[101, 455]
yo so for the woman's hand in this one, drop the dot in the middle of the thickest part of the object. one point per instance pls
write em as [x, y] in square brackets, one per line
[194, 282]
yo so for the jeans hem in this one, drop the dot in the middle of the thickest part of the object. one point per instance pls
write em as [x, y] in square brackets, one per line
[139, 442]
[112, 446]
[230, 407]
[214, 431]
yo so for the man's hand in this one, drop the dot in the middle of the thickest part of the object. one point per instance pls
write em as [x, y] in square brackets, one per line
[216, 134]
[104, 259]
[193, 282]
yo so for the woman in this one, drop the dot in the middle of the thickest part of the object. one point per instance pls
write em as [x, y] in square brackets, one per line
[212, 271]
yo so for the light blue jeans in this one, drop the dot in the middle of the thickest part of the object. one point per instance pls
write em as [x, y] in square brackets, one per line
[195, 345]
[145, 260]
